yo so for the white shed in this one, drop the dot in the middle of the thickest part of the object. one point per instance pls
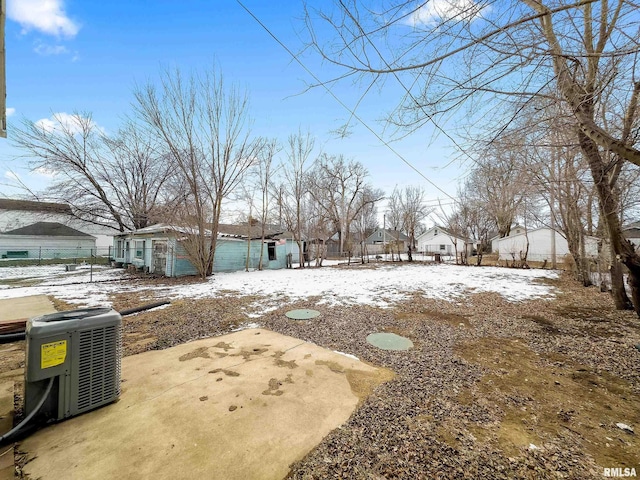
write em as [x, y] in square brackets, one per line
[540, 243]
[515, 230]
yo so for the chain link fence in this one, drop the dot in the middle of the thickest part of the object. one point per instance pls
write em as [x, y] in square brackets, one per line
[17, 255]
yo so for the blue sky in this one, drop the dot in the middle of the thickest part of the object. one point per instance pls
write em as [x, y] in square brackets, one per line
[66, 56]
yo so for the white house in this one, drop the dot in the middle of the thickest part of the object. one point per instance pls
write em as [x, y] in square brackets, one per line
[22, 213]
[439, 240]
[540, 245]
[44, 240]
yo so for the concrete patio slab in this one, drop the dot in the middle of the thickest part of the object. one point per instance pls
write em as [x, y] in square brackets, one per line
[25, 307]
[244, 405]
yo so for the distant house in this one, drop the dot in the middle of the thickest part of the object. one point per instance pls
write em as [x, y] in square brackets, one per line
[45, 240]
[159, 249]
[21, 213]
[438, 240]
[380, 237]
[540, 245]
[632, 233]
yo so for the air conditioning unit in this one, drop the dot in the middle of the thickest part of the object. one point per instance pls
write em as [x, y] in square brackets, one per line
[81, 350]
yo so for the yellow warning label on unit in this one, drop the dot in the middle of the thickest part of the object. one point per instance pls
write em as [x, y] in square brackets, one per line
[52, 354]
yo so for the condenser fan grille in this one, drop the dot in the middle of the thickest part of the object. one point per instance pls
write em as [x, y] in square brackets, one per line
[98, 366]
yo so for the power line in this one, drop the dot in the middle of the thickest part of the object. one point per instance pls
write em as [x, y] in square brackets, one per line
[351, 111]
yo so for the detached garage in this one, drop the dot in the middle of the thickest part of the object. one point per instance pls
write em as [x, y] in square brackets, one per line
[46, 240]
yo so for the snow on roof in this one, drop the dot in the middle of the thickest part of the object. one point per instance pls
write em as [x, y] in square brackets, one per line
[224, 230]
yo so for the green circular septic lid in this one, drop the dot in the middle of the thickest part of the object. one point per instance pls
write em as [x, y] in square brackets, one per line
[302, 314]
[389, 341]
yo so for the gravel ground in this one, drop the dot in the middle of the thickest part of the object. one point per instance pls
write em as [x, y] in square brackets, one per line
[491, 388]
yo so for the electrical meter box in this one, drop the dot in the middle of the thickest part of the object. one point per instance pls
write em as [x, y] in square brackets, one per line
[82, 351]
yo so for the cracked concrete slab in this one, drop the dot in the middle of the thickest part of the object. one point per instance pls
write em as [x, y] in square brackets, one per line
[244, 405]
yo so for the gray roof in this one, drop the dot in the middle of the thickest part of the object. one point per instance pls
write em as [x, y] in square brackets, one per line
[390, 235]
[31, 206]
[49, 229]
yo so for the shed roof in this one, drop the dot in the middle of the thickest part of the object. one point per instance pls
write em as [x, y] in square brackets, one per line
[224, 230]
[48, 229]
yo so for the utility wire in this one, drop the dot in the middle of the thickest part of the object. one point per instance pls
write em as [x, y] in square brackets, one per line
[351, 111]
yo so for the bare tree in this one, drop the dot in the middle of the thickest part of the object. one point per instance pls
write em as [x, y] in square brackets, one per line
[498, 184]
[293, 188]
[340, 187]
[414, 211]
[140, 177]
[204, 127]
[264, 172]
[71, 147]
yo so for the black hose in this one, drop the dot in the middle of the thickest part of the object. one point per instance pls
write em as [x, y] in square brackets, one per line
[149, 306]
[12, 337]
[15, 430]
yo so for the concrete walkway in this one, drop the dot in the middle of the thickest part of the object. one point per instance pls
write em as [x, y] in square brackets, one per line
[241, 406]
[25, 307]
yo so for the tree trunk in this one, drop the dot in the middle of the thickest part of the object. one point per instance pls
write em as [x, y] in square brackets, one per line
[584, 263]
[621, 248]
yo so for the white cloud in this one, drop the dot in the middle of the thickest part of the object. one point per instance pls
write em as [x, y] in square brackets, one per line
[11, 175]
[46, 16]
[10, 111]
[439, 10]
[46, 50]
[63, 121]
[45, 172]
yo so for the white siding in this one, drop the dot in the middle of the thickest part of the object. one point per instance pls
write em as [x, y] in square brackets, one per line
[47, 247]
[435, 240]
[540, 241]
[12, 219]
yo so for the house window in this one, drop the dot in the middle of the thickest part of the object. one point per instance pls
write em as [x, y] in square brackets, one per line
[120, 249]
[272, 250]
[139, 249]
[379, 234]
[435, 232]
[443, 248]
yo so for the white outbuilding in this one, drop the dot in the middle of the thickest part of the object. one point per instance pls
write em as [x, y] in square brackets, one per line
[540, 242]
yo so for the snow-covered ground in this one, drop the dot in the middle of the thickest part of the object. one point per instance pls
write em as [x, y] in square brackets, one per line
[382, 286]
